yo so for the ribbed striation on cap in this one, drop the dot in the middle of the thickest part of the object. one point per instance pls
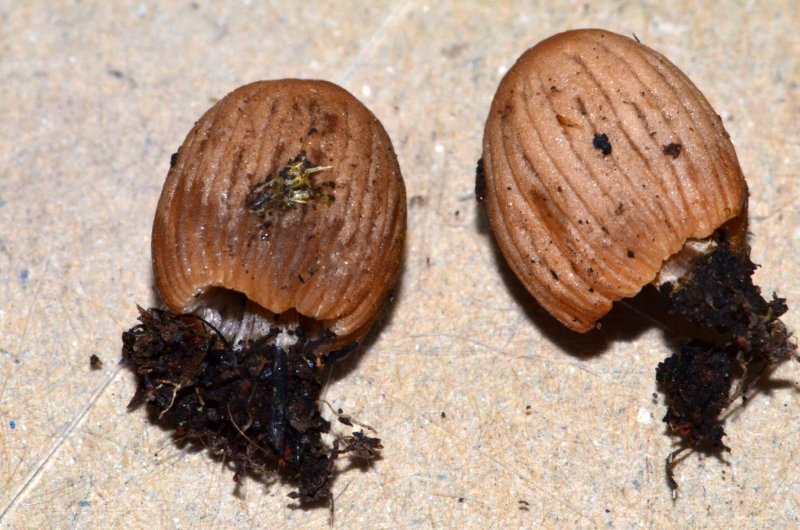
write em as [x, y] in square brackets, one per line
[601, 160]
[334, 258]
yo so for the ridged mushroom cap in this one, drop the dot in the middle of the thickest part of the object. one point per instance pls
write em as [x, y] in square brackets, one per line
[334, 258]
[581, 226]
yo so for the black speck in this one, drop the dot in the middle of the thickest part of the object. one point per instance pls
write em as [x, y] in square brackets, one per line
[173, 159]
[601, 142]
[553, 273]
[673, 150]
[631, 254]
[95, 362]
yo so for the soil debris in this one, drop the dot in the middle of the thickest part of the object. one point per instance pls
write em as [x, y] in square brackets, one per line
[718, 294]
[254, 405]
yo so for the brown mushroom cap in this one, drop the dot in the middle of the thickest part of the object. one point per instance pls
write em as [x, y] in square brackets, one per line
[582, 228]
[332, 260]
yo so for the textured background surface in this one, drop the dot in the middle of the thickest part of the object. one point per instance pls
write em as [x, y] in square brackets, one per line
[94, 99]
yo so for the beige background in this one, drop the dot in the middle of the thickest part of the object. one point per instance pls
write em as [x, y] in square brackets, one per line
[94, 99]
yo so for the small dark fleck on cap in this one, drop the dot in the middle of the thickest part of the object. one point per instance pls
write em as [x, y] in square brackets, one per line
[673, 150]
[601, 142]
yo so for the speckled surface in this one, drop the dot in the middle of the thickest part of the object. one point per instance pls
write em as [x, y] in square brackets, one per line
[492, 415]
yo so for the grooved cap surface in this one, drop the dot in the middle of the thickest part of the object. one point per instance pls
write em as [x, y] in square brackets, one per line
[332, 260]
[585, 219]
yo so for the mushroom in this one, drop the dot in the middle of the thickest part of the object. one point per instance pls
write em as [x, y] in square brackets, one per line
[604, 170]
[276, 244]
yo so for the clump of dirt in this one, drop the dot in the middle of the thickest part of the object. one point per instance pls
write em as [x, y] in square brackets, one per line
[697, 383]
[255, 404]
[718, 294]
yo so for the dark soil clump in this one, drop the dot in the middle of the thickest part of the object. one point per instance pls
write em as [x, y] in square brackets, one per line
[697, 382]
[255, 405]
[718, 294]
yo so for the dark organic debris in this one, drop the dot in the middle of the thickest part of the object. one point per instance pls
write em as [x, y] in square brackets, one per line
[697, 381]
[254, 405]
[601, 142]
[718, 294]
[673, 150]
[480, 181]
[291, 186]
[95, 362]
